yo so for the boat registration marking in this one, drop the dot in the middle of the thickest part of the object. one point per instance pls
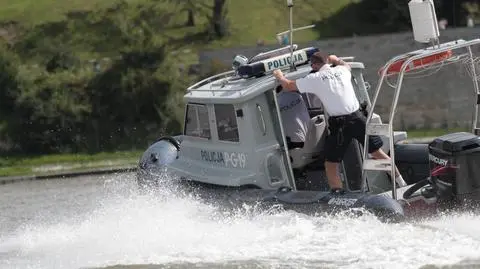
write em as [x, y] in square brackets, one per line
[227, 159]
[342, 201]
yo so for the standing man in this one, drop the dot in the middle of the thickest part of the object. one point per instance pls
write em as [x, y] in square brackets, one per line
[334, 87]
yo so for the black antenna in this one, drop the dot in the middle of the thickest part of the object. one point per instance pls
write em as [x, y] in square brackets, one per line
[292, 64]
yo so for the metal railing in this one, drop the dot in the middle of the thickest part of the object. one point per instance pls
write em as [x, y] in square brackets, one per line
[387, 129]
[224, 75]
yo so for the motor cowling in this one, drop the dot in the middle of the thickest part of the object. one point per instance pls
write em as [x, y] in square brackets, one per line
[153, 160]
[454, 161]
[163, 151]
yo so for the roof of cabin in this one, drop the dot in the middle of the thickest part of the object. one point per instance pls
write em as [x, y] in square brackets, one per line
[225, 86]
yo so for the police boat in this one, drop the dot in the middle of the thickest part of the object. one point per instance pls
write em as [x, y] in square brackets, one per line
[233, 139]
[233, 145]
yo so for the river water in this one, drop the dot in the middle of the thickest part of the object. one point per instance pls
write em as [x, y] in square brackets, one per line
[102, 222]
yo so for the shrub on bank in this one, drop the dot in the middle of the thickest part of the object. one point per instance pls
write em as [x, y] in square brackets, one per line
[52, 101]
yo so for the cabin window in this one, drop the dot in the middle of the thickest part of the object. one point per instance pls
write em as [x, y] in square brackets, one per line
[226, 122]
[196, 121]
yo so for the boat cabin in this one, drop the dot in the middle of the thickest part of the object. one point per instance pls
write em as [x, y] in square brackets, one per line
[234, 136]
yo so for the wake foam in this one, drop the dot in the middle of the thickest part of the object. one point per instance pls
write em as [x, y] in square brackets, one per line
[168, 227]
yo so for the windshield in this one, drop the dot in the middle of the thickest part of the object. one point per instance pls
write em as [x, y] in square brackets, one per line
[312, 101]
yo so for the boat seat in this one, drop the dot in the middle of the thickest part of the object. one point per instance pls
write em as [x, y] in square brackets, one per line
[313, 146]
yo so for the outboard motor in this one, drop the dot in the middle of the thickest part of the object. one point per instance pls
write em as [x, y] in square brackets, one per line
[153, 160]
[455, 168]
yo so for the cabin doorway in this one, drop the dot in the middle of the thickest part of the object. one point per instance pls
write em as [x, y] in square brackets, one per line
[280, 137]
[306, 165]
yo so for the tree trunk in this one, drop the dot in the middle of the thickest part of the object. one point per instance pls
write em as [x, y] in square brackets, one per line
[191, 18]
[218, 18]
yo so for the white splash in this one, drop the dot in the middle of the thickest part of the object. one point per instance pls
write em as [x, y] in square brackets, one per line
[128, 228]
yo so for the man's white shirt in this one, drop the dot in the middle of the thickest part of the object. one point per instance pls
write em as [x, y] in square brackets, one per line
[334, 88]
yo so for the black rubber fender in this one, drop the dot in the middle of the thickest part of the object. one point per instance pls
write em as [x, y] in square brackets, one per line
[313, 202]
[172, 140]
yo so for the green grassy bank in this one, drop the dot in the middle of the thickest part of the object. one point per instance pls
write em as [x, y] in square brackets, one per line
[48, 164]
[263, 19]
